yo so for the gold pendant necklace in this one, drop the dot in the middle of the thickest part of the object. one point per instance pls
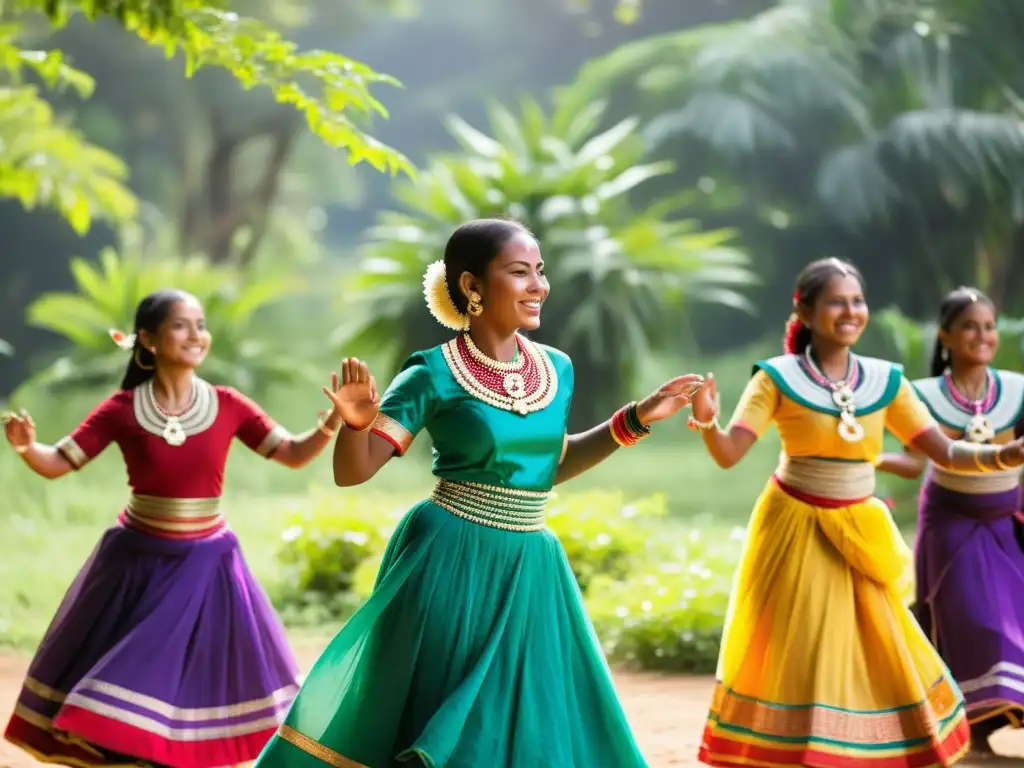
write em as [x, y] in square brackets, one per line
[850, 430]
[173, 432]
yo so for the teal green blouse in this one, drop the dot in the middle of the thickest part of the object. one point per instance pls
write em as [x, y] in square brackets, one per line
[472, 440]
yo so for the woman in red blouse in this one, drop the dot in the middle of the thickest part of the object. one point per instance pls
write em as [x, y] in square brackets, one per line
[165, 649]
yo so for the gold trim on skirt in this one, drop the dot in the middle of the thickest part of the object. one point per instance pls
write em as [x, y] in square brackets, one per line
[316, 749]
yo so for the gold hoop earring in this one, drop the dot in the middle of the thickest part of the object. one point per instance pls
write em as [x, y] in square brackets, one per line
[139, 362]
[475, 305]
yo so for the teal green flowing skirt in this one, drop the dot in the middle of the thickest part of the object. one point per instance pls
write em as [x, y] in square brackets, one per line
[474, 651]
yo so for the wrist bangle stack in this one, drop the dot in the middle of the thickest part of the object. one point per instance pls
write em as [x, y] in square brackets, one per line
[626, 428]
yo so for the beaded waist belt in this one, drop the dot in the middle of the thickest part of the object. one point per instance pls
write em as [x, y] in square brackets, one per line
[507, 508]
[826, 479]
[173, 518]
[989, 482]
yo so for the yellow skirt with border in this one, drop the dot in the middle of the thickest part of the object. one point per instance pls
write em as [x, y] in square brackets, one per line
[822, 664]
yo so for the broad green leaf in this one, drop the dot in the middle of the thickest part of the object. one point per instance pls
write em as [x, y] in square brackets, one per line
[472, 139]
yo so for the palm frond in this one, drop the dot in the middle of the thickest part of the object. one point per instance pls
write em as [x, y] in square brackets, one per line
[958, 143]
[853, 187]
[731, 124]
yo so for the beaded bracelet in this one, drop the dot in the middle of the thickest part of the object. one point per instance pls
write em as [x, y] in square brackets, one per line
[626, 428]
[703, 426]
[321, 424]
[706, 426]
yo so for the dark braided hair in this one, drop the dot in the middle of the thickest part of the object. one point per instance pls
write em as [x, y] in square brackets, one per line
[149, 316]
[811, 281]
[954, 305]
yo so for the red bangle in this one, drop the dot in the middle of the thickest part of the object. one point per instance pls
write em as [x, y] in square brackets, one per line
[634, 438]
[619, 430]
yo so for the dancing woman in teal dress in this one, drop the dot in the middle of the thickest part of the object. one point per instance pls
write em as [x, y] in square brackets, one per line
[474, 649]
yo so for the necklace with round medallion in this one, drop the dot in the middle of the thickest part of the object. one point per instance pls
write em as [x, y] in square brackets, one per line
[523, 385]
[175, 428]
[173, 431]
[979, 428]
[843, 397]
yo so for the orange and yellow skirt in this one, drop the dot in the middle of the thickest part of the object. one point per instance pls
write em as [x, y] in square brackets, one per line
[822, 663]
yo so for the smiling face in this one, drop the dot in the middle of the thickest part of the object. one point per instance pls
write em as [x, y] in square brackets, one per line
[182, 340]
[514, 287]
[839, 313]
[972, 338]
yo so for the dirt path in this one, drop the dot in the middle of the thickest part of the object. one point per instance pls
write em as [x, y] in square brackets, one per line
[667, 713]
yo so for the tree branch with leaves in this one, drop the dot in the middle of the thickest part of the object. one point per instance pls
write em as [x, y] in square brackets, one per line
[330, 92]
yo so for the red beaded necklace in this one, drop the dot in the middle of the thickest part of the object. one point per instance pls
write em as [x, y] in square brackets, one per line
[525, 384]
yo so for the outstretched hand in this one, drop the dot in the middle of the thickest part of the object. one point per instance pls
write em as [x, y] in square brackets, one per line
[669, 398]
[19, 429]
[354, 395]
[705, 402]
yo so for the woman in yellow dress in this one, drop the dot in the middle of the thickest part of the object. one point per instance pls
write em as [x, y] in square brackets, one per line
[822, 664]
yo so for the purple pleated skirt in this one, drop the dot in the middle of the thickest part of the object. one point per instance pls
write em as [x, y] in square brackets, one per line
[162, 651]
[970, 595]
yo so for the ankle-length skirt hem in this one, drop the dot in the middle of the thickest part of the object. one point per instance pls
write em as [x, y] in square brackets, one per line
[163, 652]
[473, 649]
[767, 735]
[970, 596]
[822, 664]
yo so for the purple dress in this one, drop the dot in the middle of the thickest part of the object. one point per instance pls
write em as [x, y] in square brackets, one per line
[164, 649]
[969, 563]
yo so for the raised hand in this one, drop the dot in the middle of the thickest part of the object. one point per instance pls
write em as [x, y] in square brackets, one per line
[354, 395]
[705, 402]
[19, 429]
[669, 398]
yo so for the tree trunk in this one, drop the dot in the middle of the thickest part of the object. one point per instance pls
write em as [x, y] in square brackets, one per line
[216, 213]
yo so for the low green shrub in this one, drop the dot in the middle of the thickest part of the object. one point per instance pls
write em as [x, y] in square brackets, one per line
[668, 614]
[603, 534]
[323, 551]
[332, 548]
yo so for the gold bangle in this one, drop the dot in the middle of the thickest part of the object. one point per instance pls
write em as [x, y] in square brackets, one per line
[21, 450]
[978, 464]
[999, 461]
[368, 427]
[325, 430]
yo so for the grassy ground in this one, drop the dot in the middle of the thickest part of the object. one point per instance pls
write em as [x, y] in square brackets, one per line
[47, 529]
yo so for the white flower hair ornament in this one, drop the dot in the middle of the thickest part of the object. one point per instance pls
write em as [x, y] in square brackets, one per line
[439, 300]
[125, 341]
